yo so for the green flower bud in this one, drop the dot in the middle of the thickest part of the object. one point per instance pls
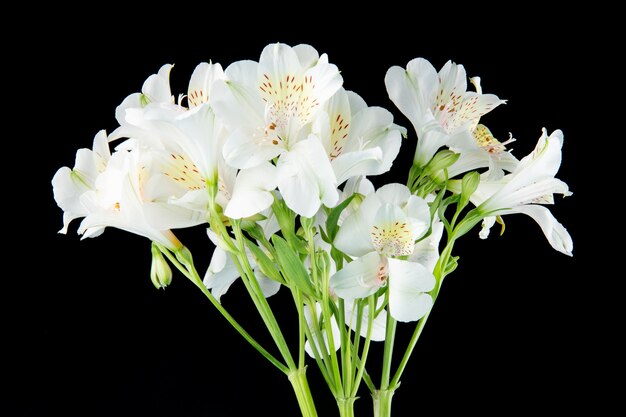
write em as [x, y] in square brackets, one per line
[160, 271]
[469, 183]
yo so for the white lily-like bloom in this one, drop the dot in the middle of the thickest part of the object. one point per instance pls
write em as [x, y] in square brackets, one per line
[359, 140]
[193, 137]
[269, 107]
[127, 190]
[533, 182]
[222, 272]
[69, 184]
[384, 228]
[442, 111]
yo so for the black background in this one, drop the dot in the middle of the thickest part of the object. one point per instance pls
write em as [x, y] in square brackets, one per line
[516, 327]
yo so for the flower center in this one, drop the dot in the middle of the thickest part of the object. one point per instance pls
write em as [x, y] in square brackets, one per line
[286, 99]
[184, 172]
[488, 142]
[393, 239]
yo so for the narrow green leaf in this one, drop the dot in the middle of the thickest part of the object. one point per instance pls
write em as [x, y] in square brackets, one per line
[291, 266]
[333, 218]
[264, 262]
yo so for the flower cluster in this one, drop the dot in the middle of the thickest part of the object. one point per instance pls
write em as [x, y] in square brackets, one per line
[273, 157]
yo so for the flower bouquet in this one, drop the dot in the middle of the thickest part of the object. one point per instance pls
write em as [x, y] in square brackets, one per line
[273, 159]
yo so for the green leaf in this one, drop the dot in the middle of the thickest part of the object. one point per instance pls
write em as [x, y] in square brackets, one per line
[291, 266]
[264, 262]
[333, 218]
[453, 262]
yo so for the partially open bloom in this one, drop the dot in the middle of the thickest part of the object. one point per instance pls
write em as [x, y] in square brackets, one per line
[532, 183]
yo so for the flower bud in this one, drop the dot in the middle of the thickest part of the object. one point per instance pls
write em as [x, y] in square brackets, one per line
[468, 186]
[160, 271]
[442, 160]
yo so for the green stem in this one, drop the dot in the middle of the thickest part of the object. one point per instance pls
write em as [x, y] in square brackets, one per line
[360, 363]
[346, 406]
[409, 350]
[390, 335]
[300, 385]
[190, 272]
[439, 276]
[382, 402]
[252, 285]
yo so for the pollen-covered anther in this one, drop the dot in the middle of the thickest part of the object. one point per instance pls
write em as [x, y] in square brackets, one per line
[393, 239]
[488, 142]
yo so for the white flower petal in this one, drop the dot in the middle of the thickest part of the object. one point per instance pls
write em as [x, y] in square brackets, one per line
[268, 286]
[379, 323]
[236, 101]
[252, 192]
[157, 87]
[394, 193]
[306, 179]
[359, 278]
[555, 232]
[409, 283]
[354, 235]
[426, 251]
[201, 83]
[486, 226]
[221, 274]
[352, 164]
[307, 55]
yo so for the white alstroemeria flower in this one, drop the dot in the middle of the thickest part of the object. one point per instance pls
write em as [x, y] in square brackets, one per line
[121, 198]
[194, 133]
[439, 106]
[155, 91]
[336, 334]
[223, 272]
[359, 140]
[268, 107]
[384, 228]
[533, 182]
[69, 184]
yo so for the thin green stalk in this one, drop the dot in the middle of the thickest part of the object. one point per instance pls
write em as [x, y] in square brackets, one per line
[321, 363]
[366, 346]
[439, 275]
[409, 350]
[330, 355]
[346, 351]
[252, 285]
[301, 326]
[390, 335]
[194, 277]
